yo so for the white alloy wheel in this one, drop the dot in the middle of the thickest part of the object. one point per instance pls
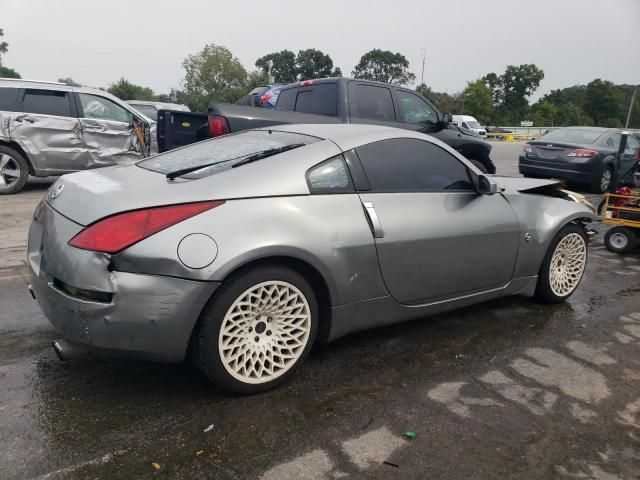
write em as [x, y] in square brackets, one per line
[567, 264]
[264, 332]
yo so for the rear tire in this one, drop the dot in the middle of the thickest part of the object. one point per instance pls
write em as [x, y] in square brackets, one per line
[603, 182]
[257, 329]
[14, 171]
[620, 240]
[563, 265]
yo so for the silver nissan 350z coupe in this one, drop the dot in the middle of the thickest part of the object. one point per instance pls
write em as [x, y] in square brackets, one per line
[246, 249]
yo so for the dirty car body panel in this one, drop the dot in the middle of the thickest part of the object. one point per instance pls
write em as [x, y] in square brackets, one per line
[383, 256]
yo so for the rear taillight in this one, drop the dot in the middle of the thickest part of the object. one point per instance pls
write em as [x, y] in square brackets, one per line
[581, 152]
[306, 83]
[120, 231]
[218, 126]
[265, 98]
[527, 148]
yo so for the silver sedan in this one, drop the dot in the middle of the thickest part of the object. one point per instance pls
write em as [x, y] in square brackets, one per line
[245, 250]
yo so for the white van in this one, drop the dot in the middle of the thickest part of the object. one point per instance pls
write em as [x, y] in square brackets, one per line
[470, 123]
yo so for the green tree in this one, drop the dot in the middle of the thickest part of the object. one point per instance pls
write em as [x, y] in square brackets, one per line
[6, 72]
[602, 102]
[213, 74]
[384, 66]
[336, 72]
[126, 90]
[4, 46]
[312, 63]
[477, 99]
[255, 79]
[69, 81]
[426, 91]
[544, 114]
[284, 66]
[511, 91]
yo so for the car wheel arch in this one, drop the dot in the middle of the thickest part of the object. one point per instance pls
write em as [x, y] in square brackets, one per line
[321, 286]
[18, 148]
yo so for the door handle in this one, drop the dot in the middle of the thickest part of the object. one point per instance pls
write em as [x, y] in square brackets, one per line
[25, 118]
[374, 221]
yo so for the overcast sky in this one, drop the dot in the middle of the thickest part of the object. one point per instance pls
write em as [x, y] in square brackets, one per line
[95, 43]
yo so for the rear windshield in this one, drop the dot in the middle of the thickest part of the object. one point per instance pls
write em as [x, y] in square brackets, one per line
[571, 135]
[258, 90]
[221, 151]
[320, 99]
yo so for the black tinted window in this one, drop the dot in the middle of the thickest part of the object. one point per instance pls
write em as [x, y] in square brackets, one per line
[319, 99]
[414, 109]
[330, 176]
[287, 100]
[369, 101]
[46, 102]
[8, 98]
[411, 165]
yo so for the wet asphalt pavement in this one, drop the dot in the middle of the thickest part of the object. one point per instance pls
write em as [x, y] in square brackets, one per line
[507, 389]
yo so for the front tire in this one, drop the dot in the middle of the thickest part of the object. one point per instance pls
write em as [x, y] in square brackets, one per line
[257, 329]
[563, 265]
[620, 239]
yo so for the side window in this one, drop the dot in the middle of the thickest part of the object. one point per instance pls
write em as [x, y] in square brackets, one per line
[369, 101]
[613, 141]
[330, 176]
[412, 165]
[101, 108]
[287, 100]
[321, 99]
[46, 102]
[8, 98]
[415, 110]
[632, 144]
[464, 125]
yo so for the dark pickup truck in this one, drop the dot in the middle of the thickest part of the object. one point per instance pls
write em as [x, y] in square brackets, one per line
[328, 100]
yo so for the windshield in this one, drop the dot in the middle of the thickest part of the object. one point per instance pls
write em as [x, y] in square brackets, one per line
[218, 152]
[147, 111]
[474, 124]
[571, 135]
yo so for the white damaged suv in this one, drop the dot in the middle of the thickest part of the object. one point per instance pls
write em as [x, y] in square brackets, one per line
[49, 128]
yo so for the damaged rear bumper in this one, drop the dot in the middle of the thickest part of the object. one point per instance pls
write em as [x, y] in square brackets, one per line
[148, 317]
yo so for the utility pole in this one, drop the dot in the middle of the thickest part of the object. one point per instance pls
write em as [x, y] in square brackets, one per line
[633, 99]
[423, 53]
[270, 66]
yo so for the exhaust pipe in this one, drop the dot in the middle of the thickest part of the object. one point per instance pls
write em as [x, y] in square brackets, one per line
[67, 350]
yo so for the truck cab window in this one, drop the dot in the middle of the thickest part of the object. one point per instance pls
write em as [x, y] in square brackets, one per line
[370, 101]
[415, 110]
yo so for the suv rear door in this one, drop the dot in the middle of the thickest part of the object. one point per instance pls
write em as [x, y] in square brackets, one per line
[47, 128]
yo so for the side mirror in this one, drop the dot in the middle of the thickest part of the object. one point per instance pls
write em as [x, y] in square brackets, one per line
[447, 118]
[486, 185]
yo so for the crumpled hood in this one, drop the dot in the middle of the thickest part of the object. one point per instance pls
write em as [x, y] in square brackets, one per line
[521, 184]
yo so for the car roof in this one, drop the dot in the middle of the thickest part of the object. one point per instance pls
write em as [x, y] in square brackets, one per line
[348, 136]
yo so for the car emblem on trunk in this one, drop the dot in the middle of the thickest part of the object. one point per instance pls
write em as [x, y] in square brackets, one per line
[58, 190]
[549, 145]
